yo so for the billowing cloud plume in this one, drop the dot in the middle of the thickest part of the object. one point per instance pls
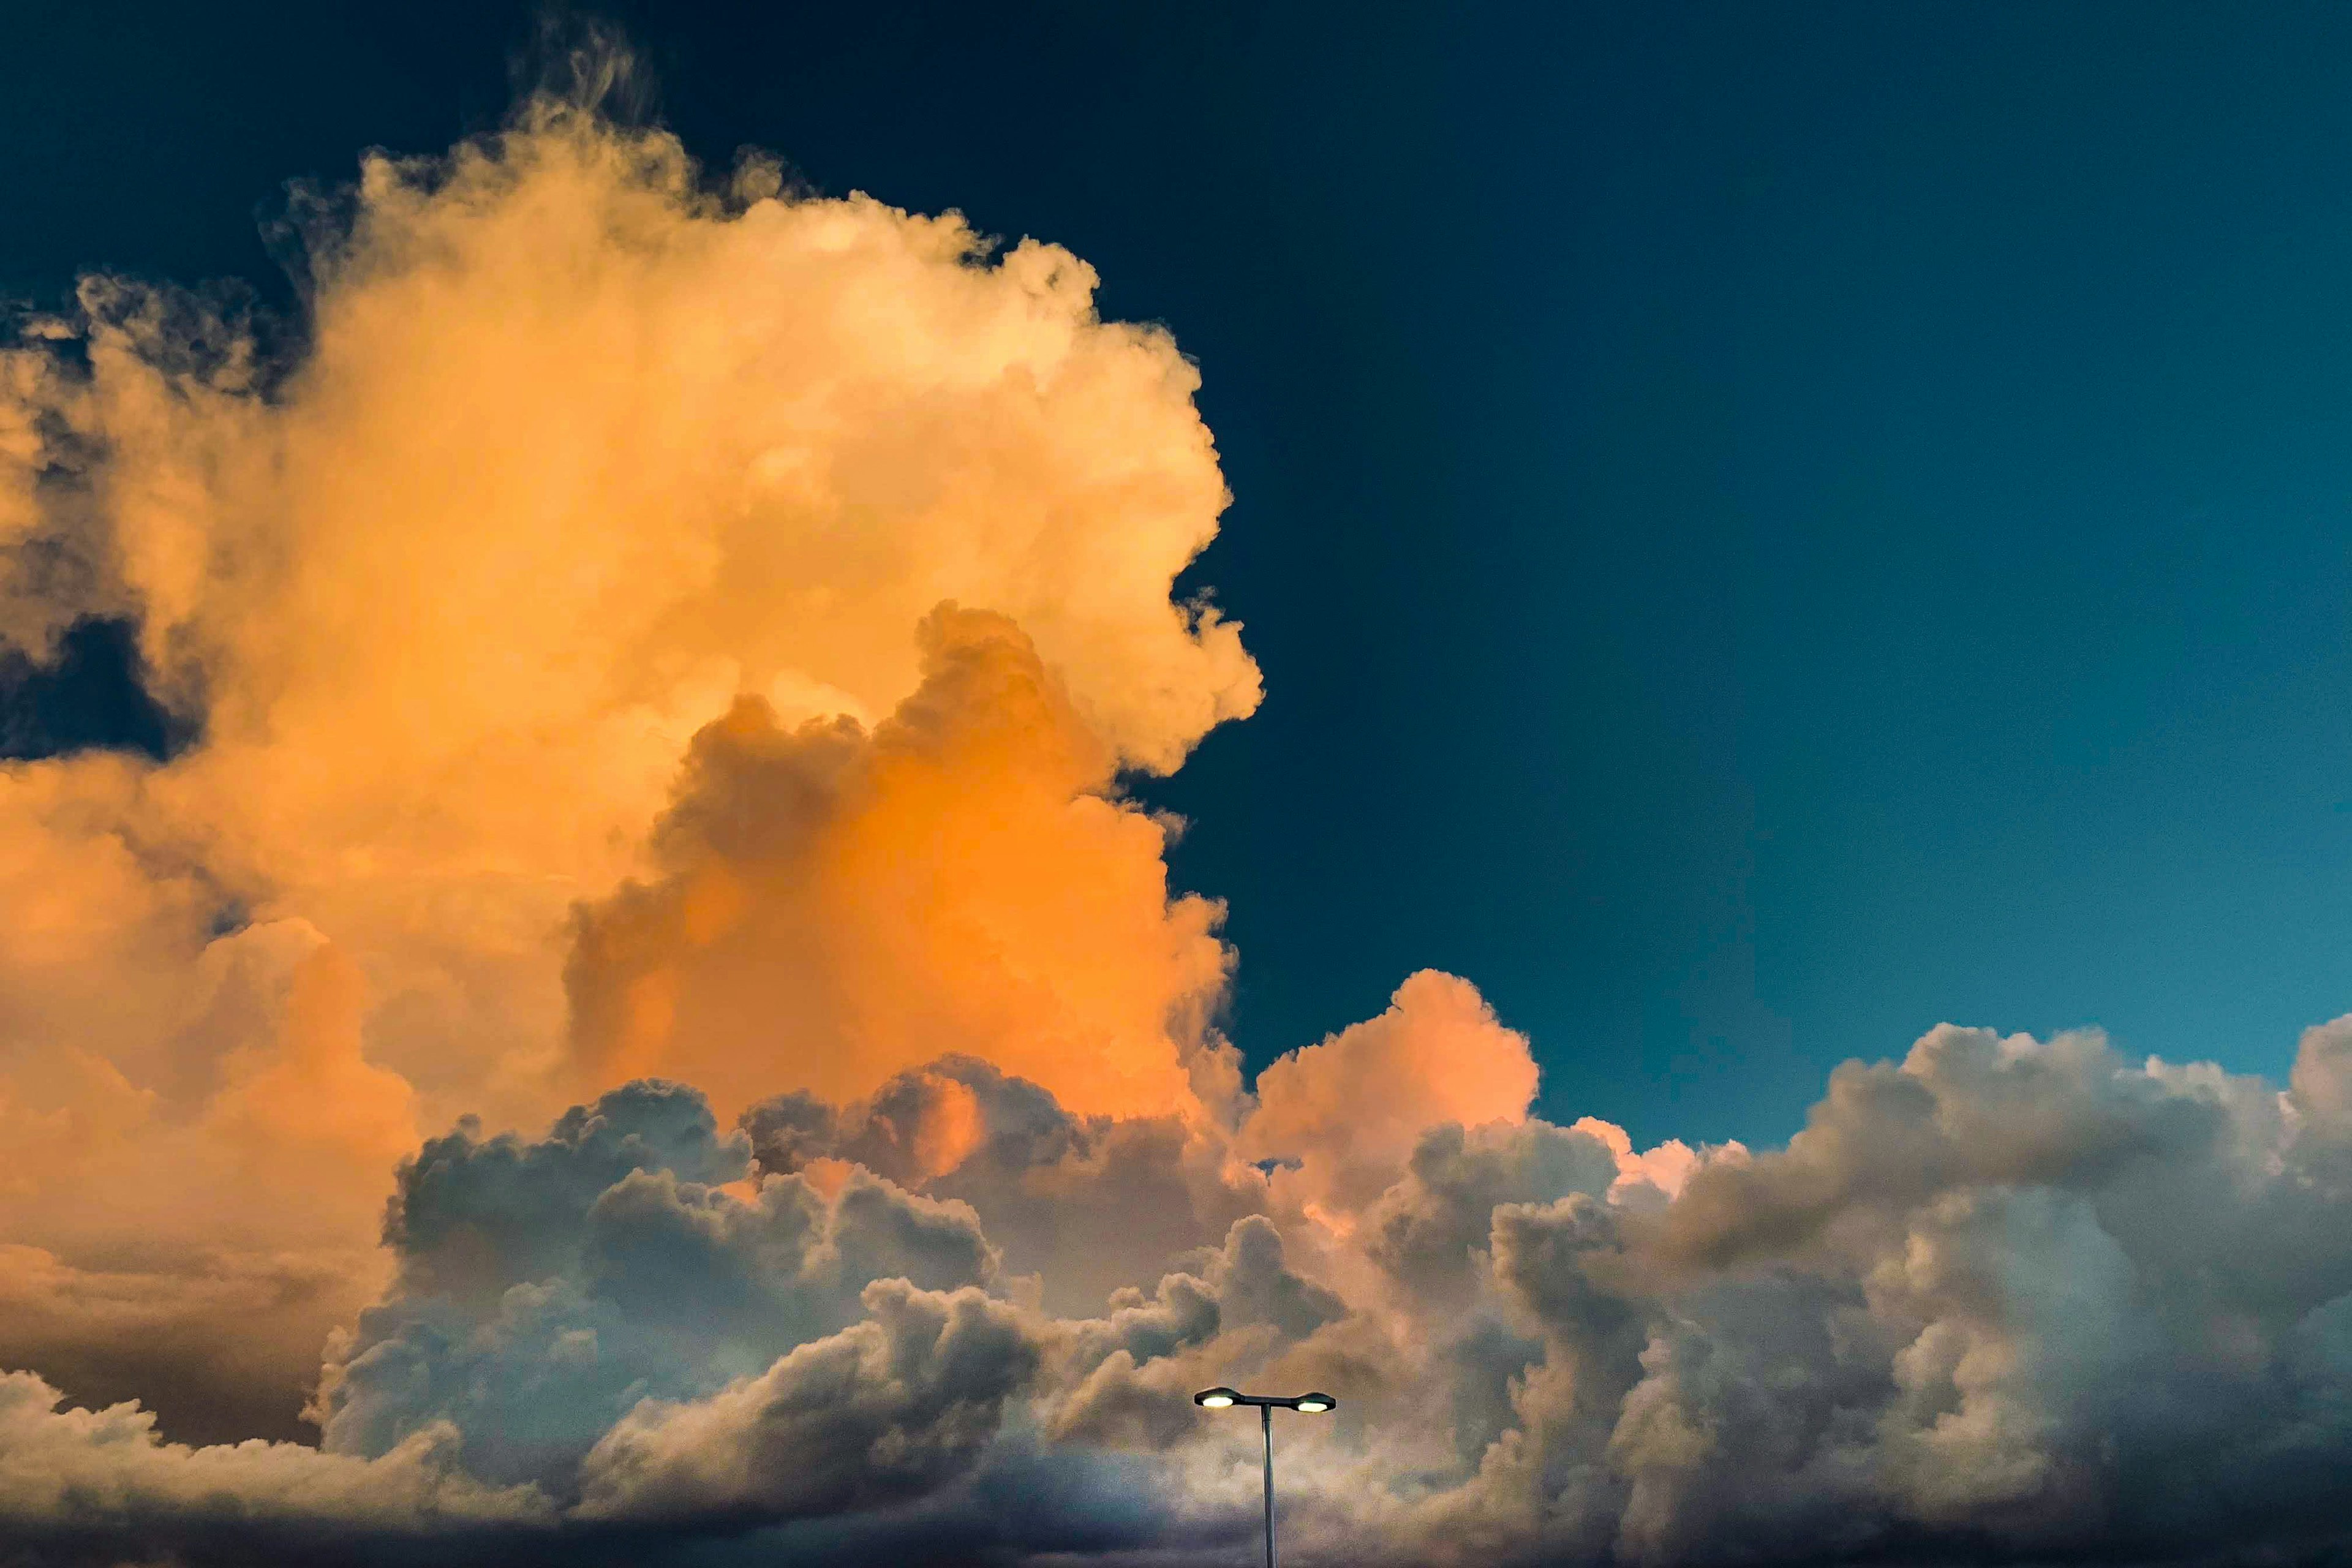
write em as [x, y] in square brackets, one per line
[641, 1025]
[586, 455]
[834, 904]
[1348, 1110]
[887, 1409]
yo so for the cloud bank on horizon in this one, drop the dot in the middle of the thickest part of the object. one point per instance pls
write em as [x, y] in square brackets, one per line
[666, 658]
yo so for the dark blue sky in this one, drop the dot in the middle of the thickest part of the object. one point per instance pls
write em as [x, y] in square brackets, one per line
[1766, 527]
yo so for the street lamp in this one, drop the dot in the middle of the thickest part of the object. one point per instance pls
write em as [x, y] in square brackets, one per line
[1267, 1404]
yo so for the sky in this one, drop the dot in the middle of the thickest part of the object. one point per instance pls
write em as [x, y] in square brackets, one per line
[1295, 748]
[1836, 512]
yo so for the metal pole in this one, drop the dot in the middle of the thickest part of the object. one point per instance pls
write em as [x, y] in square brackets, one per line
[1265, 1420]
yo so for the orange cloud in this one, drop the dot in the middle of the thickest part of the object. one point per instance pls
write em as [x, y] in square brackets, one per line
[204, 1239]
[588, 453]
[838, 905]
[1351, 1108]
[583, 449]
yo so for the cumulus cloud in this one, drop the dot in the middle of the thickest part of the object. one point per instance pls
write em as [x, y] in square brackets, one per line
[835, 904]
[1932, 1324]
[643, 1014]
[101, 1484]
[1085, 1206]
[562, 620]
[2020, 1293]
[187, 1235]
[885, 1409]
[1347, 1111]
[545, 1288]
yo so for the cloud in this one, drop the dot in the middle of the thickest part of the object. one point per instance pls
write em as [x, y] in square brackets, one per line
[1087, 1206]
[835, 905]
[1431, 1229]
[1349, 1109]
[193, 1236]
[604, 494]
[885, 1409]
[2017, 1293]
[642, 1008]
[1973, 1308]
[545, 1288]
[73, 1480]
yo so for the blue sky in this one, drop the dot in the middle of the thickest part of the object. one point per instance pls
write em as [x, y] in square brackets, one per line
[1765, 530]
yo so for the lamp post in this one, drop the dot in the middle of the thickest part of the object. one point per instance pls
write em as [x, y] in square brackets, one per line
[1267, 1404]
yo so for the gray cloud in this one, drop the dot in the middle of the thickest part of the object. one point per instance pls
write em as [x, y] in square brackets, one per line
[547, 1288]
[2004, 1299]
[2008, 1298]
[885, 1409]
[71, 1479]
[1431, 1229]
[1089, 1205]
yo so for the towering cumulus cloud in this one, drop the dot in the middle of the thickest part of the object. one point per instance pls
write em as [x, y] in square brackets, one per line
[640, 1025]
[576, 620]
